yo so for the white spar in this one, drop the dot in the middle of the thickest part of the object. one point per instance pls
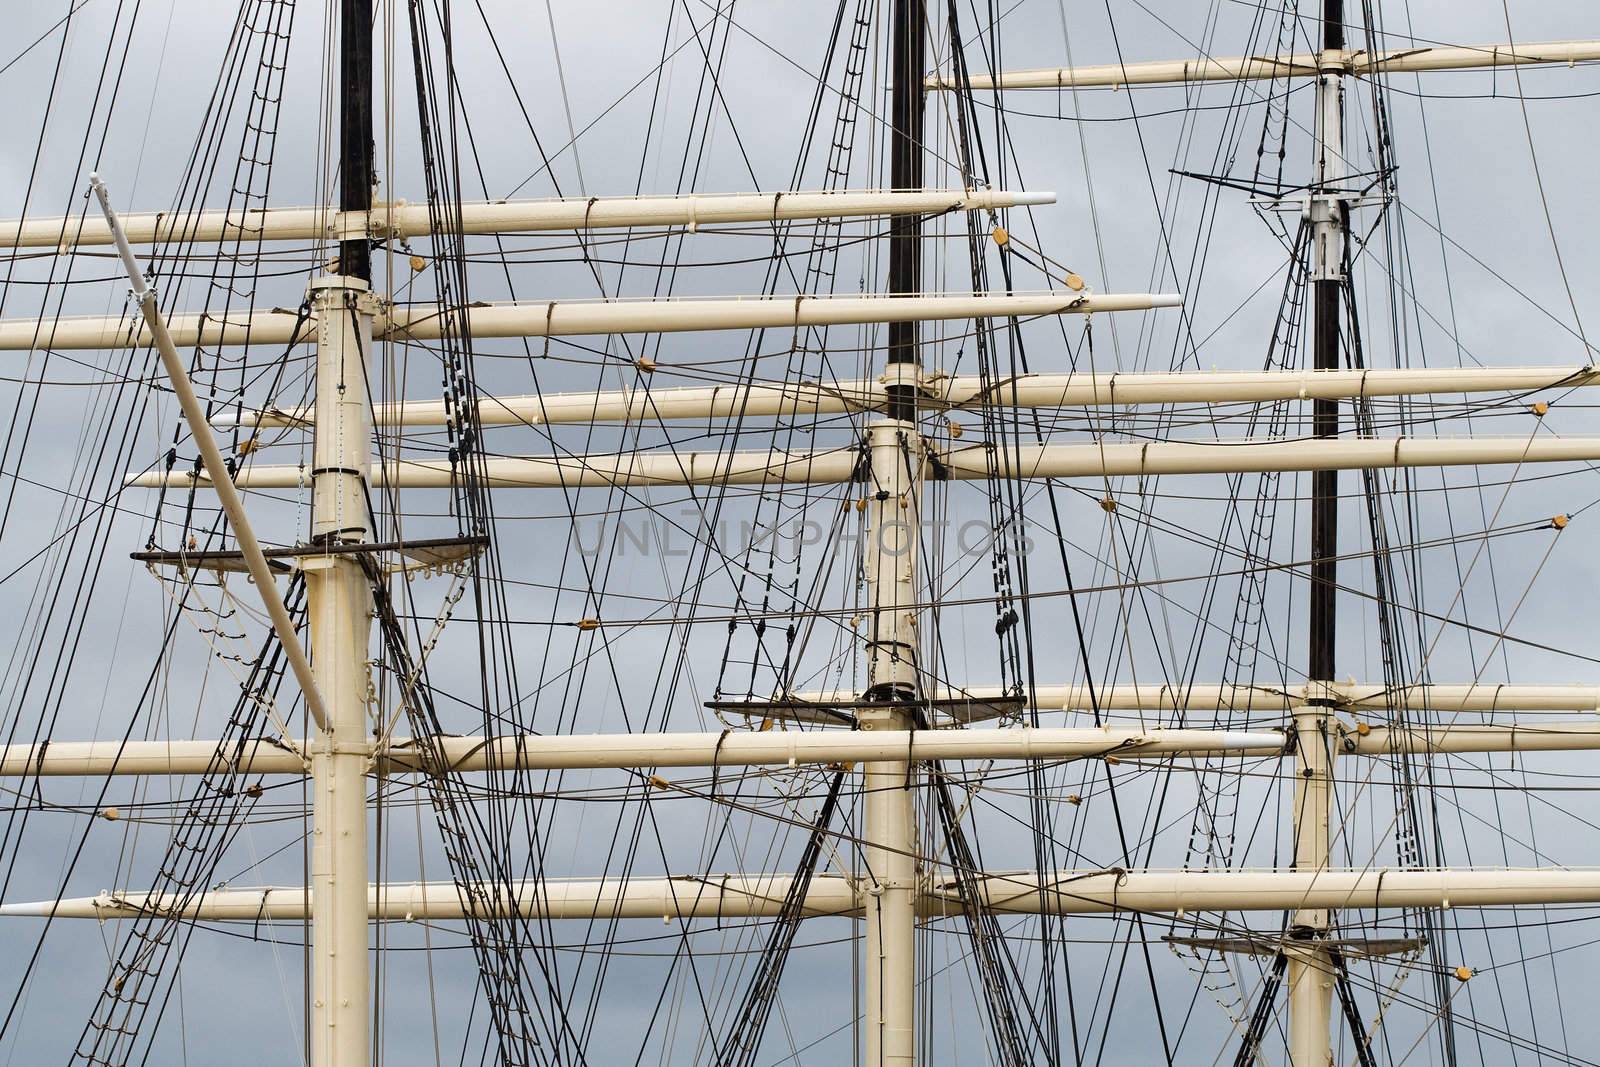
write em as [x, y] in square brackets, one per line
[779, 748]
[1349, 696]
[965, 463]
[1261, 454]
[403, 220]
[793, 399]
[1277, 890]
[572, 751]
[977, 703]
[730, 896]
[1358, 62]
[576, 318]
[216, 466]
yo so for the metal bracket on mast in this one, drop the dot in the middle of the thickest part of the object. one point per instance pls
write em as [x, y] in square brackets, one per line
[944, 712]
[1271, 945]
[1302, 202]
[910, 377]
[431, 554]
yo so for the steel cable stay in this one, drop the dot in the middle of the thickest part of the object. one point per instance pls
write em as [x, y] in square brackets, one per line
[1052, 490]
[482, 872]
[530, 1020]
[1002, 983]
[711, 551]
[847, 640]
[152, 943]
[584, 1025]
[212, 817]
[741, 1044]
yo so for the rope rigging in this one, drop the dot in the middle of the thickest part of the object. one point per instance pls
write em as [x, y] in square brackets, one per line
[612, 610]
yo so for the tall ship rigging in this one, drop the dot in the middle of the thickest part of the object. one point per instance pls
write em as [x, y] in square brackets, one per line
[682, 554]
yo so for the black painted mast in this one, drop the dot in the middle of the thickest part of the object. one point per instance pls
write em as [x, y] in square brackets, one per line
[355, 129]
[908, 45]
[1326, 315]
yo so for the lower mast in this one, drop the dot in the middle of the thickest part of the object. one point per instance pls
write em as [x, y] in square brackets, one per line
[889, 556]
[339, 598]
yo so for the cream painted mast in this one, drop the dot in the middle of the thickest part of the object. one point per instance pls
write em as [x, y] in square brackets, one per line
[896, 890]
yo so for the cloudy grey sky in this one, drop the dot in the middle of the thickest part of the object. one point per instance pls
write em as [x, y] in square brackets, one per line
[1508, 183]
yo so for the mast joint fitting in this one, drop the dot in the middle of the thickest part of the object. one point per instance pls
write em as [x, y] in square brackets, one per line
[359, 294]
[326, 745]
[911, 377]
[1339, 61]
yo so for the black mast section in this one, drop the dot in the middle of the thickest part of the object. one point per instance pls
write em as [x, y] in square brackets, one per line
[908, 44]
[1325, 423]
[355, 129]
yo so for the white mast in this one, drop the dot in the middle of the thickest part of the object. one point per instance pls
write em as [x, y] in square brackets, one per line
[892, 544]
[339, 599]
